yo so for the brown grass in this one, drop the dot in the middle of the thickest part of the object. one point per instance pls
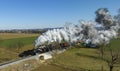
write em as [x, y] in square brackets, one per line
[15, 35]
[7, 54]
[12, 54]
[22, 66]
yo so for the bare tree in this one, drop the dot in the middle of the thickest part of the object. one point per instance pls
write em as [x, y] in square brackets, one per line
[110, 55]
[114, 58]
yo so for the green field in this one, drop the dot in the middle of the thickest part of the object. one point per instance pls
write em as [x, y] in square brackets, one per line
[14, 41]
[74, 59]
[80, 59]
[9, 45]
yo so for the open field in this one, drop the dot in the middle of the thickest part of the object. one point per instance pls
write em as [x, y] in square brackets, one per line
[10, 43]
[50, 68]
[74, 59]
[7, 54]
[80, 59]
[15, 35]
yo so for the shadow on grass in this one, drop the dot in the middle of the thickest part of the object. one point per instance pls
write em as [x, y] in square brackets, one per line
[66, 68]
[89, 56]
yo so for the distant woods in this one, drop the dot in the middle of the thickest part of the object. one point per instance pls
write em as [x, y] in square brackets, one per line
[27, 30]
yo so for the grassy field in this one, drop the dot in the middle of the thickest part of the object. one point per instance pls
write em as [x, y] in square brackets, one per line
[9, 45]
[15, 35]
[79, 59]
[74, 59]
[13, 41]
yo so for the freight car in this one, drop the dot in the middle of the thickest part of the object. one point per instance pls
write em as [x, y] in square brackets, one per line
[89, 45]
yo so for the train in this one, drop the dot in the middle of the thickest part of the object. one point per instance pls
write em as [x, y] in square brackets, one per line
[43, 49]
[89, 45]
[50, 47]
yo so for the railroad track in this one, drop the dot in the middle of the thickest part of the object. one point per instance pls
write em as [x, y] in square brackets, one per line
[5, 64]
[1, 64]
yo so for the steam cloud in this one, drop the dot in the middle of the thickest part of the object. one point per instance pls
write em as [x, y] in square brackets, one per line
[99, 32]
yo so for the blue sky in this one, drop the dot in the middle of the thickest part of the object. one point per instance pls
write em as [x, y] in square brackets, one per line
[26, 14]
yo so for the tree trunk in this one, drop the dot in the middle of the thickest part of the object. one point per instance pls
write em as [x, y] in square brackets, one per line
[111, 68]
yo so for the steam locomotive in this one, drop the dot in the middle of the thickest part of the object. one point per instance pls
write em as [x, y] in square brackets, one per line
[42, 49]
[50, 47]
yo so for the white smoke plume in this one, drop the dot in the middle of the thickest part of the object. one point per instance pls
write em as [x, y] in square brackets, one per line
[99, 32]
